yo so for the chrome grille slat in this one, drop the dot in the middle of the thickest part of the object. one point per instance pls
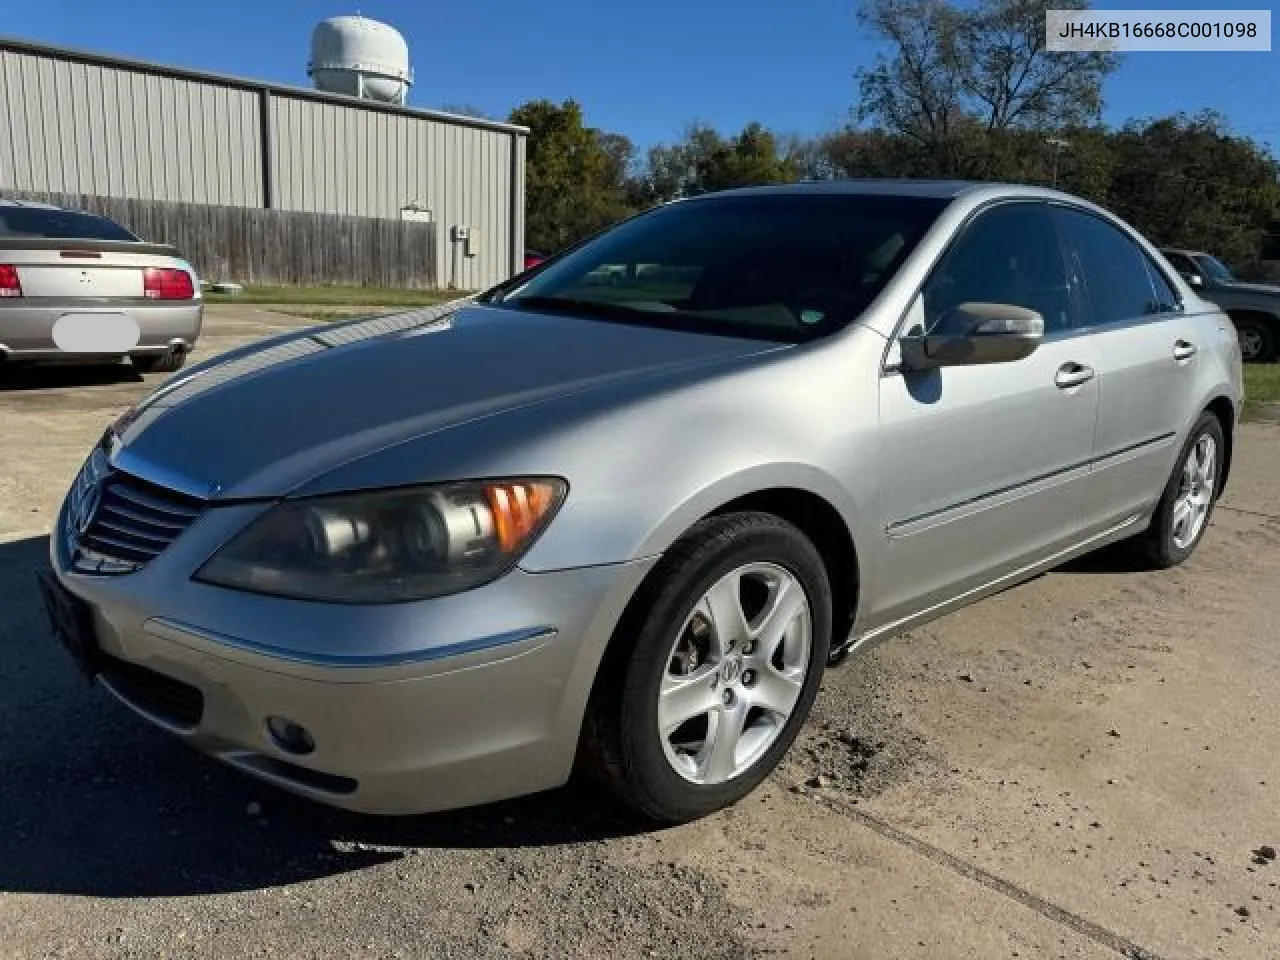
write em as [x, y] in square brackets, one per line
[127, 531]
[103, 544]
[136, 516]
[133, 523]
[143, 499]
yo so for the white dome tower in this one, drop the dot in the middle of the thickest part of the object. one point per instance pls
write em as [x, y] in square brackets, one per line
[360, 57]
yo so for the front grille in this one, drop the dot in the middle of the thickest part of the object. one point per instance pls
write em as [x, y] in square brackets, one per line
[134, 521]
[165, 698]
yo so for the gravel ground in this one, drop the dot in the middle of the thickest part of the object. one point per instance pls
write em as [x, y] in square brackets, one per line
[1083, 766]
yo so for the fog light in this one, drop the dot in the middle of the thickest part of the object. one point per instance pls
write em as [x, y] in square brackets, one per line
[289, 736]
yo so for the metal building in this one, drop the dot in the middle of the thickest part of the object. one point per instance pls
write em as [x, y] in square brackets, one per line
[74, 122]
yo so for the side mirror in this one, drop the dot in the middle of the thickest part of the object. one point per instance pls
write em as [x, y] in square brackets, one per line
[1194, 279]
[988, 333]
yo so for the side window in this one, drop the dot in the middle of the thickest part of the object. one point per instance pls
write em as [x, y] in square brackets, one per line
[1112, 269]
[1009, 254]
[1166, 297]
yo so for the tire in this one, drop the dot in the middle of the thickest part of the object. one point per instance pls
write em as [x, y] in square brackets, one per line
[1257, 339]
[168, 362]
[1161, 546]
[656, 648]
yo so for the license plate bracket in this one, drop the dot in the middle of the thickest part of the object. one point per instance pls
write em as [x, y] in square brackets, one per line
[72, 623]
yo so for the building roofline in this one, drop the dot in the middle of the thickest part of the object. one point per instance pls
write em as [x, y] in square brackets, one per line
[18, 45]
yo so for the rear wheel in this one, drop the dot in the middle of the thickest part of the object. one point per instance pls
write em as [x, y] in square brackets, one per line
[159, 362]
[1183, 514]
[721, 657]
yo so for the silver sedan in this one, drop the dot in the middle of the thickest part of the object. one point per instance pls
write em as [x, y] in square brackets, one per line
[76, 287]
[447, 557]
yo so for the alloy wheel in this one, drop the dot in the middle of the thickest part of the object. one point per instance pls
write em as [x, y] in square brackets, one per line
[1195, 492]
[1250, 343]
[735, 673]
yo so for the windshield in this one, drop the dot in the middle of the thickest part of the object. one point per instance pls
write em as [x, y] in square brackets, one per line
[1214, 269]
[58, 225]
[780, 266]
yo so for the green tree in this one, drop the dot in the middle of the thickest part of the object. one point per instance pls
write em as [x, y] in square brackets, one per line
[575, 175]
[1188, 181]
[705, 160]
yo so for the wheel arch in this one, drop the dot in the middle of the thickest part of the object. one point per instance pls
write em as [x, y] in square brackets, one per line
[1222, 408]
[812, 513]
[826, 529]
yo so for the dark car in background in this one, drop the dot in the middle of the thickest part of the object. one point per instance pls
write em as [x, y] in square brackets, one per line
[79, 287]
[1254, 308]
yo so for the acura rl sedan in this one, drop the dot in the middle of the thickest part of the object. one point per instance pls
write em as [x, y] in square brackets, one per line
[446, 557]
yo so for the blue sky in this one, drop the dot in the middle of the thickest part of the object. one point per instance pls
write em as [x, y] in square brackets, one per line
[643, 69]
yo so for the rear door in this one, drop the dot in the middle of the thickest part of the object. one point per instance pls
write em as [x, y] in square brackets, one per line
[984, 468]
[1147, 357]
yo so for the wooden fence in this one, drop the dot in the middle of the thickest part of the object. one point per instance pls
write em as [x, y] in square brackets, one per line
[255, 246]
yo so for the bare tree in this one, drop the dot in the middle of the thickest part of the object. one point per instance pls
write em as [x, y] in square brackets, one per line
[956, 71]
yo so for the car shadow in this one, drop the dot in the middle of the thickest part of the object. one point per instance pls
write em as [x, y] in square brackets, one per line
[1119, 558]
[53, 376]
[95, 802]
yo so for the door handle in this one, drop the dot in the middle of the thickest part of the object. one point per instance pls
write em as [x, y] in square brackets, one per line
[1184, 350]
[1072, 375]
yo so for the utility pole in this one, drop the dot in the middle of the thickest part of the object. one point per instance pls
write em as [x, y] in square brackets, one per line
[1058, 145]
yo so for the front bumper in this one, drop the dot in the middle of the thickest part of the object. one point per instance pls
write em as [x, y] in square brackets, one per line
[26, 329]
[412, 707]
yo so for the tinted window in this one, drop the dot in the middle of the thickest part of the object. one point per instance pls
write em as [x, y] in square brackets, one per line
[1112, 269]
[784, 266]
[1166, 296]
[1215, 269]
[1009, 254]
[1180, 262]
[58, 225]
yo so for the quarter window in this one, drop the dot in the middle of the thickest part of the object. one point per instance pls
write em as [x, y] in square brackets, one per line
[1112, 270]
[1166, 297]
[1009, 254]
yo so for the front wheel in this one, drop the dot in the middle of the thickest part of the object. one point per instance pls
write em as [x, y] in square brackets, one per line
[714, 669]
[1187, 503]
[1257, 339]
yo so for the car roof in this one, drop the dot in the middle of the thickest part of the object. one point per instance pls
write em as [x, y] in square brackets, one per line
[1185, 253]
[890, 187]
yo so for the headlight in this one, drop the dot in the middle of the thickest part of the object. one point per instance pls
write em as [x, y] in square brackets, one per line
[388, 546]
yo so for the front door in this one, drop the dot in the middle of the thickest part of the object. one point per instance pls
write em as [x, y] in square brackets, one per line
[984, 467]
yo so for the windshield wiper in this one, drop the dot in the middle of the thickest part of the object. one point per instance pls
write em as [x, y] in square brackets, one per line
[676, 319]
[576, 305]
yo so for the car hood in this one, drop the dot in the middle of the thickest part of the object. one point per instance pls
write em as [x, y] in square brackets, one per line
[261, 420]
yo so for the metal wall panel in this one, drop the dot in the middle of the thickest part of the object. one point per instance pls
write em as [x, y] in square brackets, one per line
[74, 127]
[330, 158]
[80, 123]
